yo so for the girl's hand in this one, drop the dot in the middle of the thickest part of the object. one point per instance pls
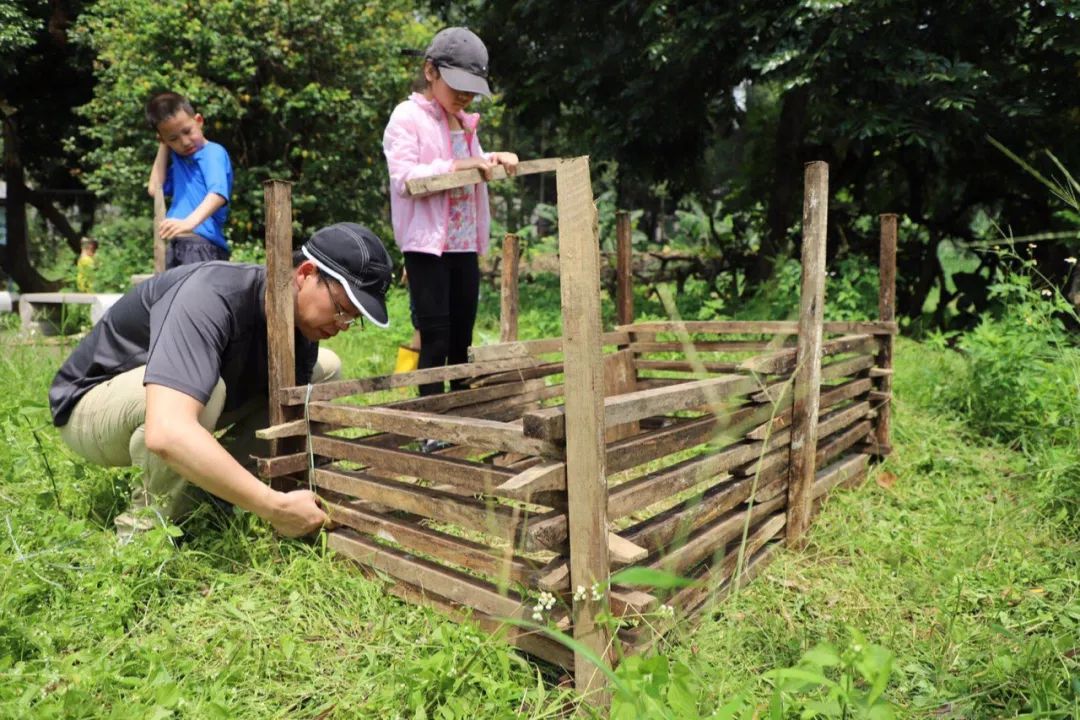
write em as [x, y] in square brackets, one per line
[507, 159]
[479, 163]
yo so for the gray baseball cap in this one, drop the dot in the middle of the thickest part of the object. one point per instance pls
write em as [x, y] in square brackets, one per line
[462, 60]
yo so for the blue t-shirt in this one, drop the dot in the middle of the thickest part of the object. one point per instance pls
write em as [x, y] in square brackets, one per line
[189, 179]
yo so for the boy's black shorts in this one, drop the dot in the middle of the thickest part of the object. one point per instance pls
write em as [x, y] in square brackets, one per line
[186, 251]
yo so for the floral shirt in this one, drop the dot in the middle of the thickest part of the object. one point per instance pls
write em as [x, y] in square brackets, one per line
[461, 235]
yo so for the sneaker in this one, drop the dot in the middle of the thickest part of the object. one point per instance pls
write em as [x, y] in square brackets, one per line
[432, 446]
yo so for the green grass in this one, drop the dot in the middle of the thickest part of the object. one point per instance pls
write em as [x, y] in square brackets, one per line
[952, 567]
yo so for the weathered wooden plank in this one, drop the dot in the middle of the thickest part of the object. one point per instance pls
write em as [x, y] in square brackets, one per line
[458, 399]
[674, 525]
[508, 289]
[687, 366]
[531, 641]
[711, 539]
[757, 327]
[278, 301]
[806, 361]
[499, 564]
[550, 423]
[832, 371]
[492, 518]
[620, 377]
[841, 442]
[160, 249]
[785, 361]
[838, 473]
[447, 582]
[282, 465]
[471, 432]
[534, 348]
[341, 388]
[624, 269]
[464, 178]
[703, 346]
[887, 312]
[624, 552]
[527, 373]
[477, 477]
[586, 481]
[544, 477]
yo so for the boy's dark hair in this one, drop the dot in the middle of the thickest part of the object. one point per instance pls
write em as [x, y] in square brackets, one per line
[164, 105]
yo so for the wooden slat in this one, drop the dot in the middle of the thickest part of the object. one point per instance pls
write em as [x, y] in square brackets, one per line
[672, 526]
[756, 327]
[341, 388]
[624, 268]
[464, 178]
[703, 346]
[531, 641]
[478, 477]
[842, 441]
[838, 473]
[471, 432]
[458, 399]
[544, 477]
[494, 519]
[282, 465]
[508, 289]
[832, 371]
[711, 539]
[550, 423]
[687, 366]
[278, 301]
[526, 373]
[834, 396]
[784, 361]
[534, 348]
[499, 564]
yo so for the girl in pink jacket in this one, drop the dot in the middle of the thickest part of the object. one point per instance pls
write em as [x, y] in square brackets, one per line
[442, 234]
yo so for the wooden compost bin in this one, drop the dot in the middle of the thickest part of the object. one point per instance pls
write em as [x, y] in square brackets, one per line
[659, 444]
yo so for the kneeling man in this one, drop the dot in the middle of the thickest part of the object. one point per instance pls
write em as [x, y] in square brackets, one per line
[185, 353]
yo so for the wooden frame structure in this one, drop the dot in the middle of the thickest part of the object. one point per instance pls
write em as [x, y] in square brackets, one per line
[691, 447]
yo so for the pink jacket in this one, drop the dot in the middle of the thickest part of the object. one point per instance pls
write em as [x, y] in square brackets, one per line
[417, 144]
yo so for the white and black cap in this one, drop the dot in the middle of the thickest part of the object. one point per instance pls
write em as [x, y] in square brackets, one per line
[356, 258]
[462, 60]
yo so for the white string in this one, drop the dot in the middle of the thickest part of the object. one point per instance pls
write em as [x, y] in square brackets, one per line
[310, 453]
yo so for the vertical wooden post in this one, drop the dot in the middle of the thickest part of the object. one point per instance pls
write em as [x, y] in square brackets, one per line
[508, 311]
[887, 313]
[807, 384]
[586, 481]
[624, 269]
[279, 298]
[159, 243]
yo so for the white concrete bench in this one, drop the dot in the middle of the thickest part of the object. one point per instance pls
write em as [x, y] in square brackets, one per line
[33, 305]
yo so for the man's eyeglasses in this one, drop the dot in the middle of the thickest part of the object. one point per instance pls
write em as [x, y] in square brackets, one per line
[343, 319]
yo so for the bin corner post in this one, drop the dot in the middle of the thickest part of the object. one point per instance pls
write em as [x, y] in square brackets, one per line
[279, 300]
[624, 269]
[887, 313]
[807, 379]
[586, 478]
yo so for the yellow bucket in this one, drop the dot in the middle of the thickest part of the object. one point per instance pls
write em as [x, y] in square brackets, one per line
[407, 359]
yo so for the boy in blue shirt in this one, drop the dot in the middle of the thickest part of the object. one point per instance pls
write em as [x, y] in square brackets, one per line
[197, 174]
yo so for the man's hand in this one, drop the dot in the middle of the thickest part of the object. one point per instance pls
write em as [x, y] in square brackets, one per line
[174, 227]
[297, 513]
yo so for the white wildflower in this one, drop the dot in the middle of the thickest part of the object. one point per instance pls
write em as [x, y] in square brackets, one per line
[665, 611]
[1047, 292]
[597, 592]
[546, 601]
[580, 593]
[538, 616]
[1070, 260]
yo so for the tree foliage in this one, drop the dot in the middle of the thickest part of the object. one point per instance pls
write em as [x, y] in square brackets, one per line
[294, 89]
[898, 96]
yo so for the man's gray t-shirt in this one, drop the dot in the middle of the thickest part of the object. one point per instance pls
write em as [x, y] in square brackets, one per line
[189, 326]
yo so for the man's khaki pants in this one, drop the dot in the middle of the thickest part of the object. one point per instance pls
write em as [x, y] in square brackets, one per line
[107, 427]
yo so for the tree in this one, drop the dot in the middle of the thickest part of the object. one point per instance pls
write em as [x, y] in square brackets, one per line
[898, 96]
[294, 89]
[36, 53]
